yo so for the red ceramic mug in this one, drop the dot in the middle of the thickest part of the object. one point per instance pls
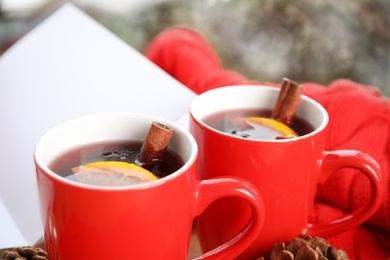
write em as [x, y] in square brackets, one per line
[144, 221]
[286, 172]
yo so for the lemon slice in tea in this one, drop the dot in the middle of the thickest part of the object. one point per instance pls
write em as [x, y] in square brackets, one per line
[111, 173]
[283, 129]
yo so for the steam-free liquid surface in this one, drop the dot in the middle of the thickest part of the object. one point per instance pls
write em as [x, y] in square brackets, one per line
[232, 122]
[112, 151]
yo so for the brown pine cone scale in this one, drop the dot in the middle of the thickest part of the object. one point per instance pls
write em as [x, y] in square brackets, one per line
[25, 253]
[305, 247]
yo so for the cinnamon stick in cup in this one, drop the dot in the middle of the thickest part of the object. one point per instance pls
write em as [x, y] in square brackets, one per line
[287, 103]
[282, 96]
[156, 143]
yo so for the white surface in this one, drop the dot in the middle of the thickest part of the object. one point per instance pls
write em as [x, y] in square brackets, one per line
[66, 67]
[11, 234]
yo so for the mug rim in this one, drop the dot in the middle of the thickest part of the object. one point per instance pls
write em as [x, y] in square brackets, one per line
[188, 163]
[215, 92]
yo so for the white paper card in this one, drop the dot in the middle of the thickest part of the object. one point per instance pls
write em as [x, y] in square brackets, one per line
[68, 66]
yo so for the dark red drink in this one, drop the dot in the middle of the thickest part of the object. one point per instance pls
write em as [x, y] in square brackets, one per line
[124, 151]
[233, 122]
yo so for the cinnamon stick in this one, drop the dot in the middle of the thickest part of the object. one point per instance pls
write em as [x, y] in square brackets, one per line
[287, 103]
[282, 95]
[290, 104]
[156, 143]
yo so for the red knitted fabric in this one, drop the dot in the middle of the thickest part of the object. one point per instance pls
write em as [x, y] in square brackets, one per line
[359, 120]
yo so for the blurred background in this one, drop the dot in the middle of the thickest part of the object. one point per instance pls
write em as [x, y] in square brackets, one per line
[267, 40]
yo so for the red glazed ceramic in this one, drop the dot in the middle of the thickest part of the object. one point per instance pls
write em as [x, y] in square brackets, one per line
[286, 172]
[145, 221]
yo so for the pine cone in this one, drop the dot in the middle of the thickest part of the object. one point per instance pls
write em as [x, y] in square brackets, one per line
[25, 253]
[305, 247]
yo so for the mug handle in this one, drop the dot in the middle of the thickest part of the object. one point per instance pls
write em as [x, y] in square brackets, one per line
[336, 160]
[212, 189]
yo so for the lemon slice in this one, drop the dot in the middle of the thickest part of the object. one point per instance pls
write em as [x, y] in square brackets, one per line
[285, 130]
[111, 173]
